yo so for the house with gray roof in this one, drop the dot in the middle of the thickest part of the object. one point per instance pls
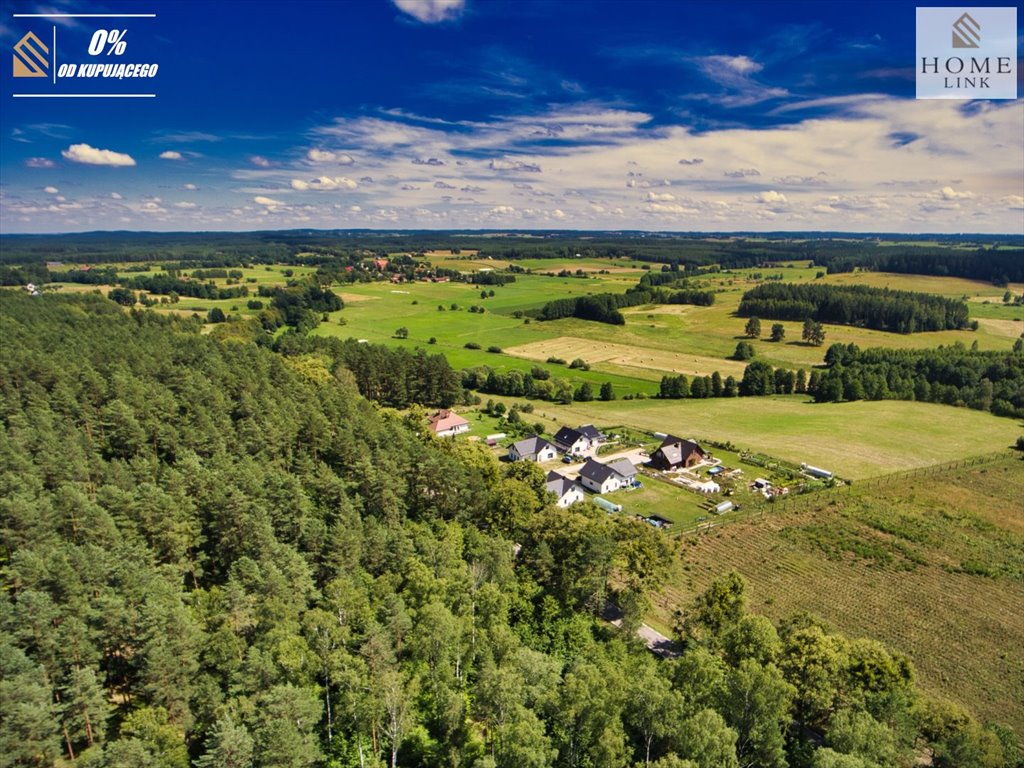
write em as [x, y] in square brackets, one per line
[567, 491]
[532, 448]
[605, 478]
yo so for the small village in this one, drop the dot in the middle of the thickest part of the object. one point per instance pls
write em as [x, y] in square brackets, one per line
[668, 482]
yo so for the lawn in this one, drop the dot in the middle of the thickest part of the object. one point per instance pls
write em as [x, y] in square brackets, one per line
[933, 566]
[854, 440]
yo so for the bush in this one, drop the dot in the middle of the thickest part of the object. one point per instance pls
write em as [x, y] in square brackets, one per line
[494, 349]
[556, 361]
[580, 363]
[471, 345]
[744, 351]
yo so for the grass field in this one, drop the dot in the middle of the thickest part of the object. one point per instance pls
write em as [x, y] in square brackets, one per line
[854, 440]
[932, 566]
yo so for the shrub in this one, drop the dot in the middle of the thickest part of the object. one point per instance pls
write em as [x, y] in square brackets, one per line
[471, 345]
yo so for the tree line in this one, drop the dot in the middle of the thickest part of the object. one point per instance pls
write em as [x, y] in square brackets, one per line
[878, 308]
[999, 267]
[954, 375]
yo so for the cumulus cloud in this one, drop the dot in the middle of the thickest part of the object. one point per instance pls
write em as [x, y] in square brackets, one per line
[664, 197]
[472, 189]
[115, 196]
[443, 185]
[948, 193]
[513, 165]
[1013, 202]
[83, 153]
[51, 190]
[429, 161]
[185, 205]
[502, 210]
[259, 161]
[39, 162]
[771, 196]
[189, 187]
[691, 161]
[324, 184]
[431, 11]
[170, 154]
[267, 201]
[409, 187]
[327, 156]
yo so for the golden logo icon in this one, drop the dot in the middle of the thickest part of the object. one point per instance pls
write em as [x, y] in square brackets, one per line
[28, 60]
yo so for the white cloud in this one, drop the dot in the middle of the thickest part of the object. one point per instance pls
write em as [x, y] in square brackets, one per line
[267, 201]
[259, 161]
[39, 162]
[1014, 202]
[503, 210]
[431, 11]
[185, 205]
[115, 196]
[324, 184]
[189, 187]
[170, 154]
[771, 196]
[51, 190]
[326, 156]
[83, 153]
[664, 197]
[355, 209]
[948, 193]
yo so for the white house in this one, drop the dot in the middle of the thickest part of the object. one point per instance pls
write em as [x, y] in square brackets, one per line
[579, 440]
[567, 491]
[605, 478]
[447, 424]
[532, 448]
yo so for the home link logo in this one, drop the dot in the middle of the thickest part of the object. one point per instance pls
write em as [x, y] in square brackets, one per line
[966, 32]
[956, 61]
[31, 57]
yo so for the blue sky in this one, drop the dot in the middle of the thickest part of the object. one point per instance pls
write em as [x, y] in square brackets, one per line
[560, 114]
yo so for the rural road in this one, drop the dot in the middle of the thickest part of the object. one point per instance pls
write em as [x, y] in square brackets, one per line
[656, 642]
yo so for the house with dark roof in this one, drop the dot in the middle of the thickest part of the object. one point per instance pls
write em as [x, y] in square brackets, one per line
[592, 433]
[447, 424]
[676, 453]
[532, 448]
[567, 491]
[605, 478]
[572, 441]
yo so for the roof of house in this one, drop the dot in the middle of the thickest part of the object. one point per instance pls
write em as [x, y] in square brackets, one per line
[590, 431]
[531, 446]
[559, 484]
[567, 436]
[597, 472]
[442, 421]
[675, 449]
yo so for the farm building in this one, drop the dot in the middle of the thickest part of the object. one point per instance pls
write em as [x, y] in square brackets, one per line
[447, 424]
[676, 453]
[606, 505]
[816, 471]
[568, 491]
[604, 478]
[532, 448]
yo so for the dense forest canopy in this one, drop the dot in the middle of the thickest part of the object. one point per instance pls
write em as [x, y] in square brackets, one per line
[215, 554]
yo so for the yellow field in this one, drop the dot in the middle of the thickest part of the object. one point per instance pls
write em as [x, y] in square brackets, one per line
[625, 356]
